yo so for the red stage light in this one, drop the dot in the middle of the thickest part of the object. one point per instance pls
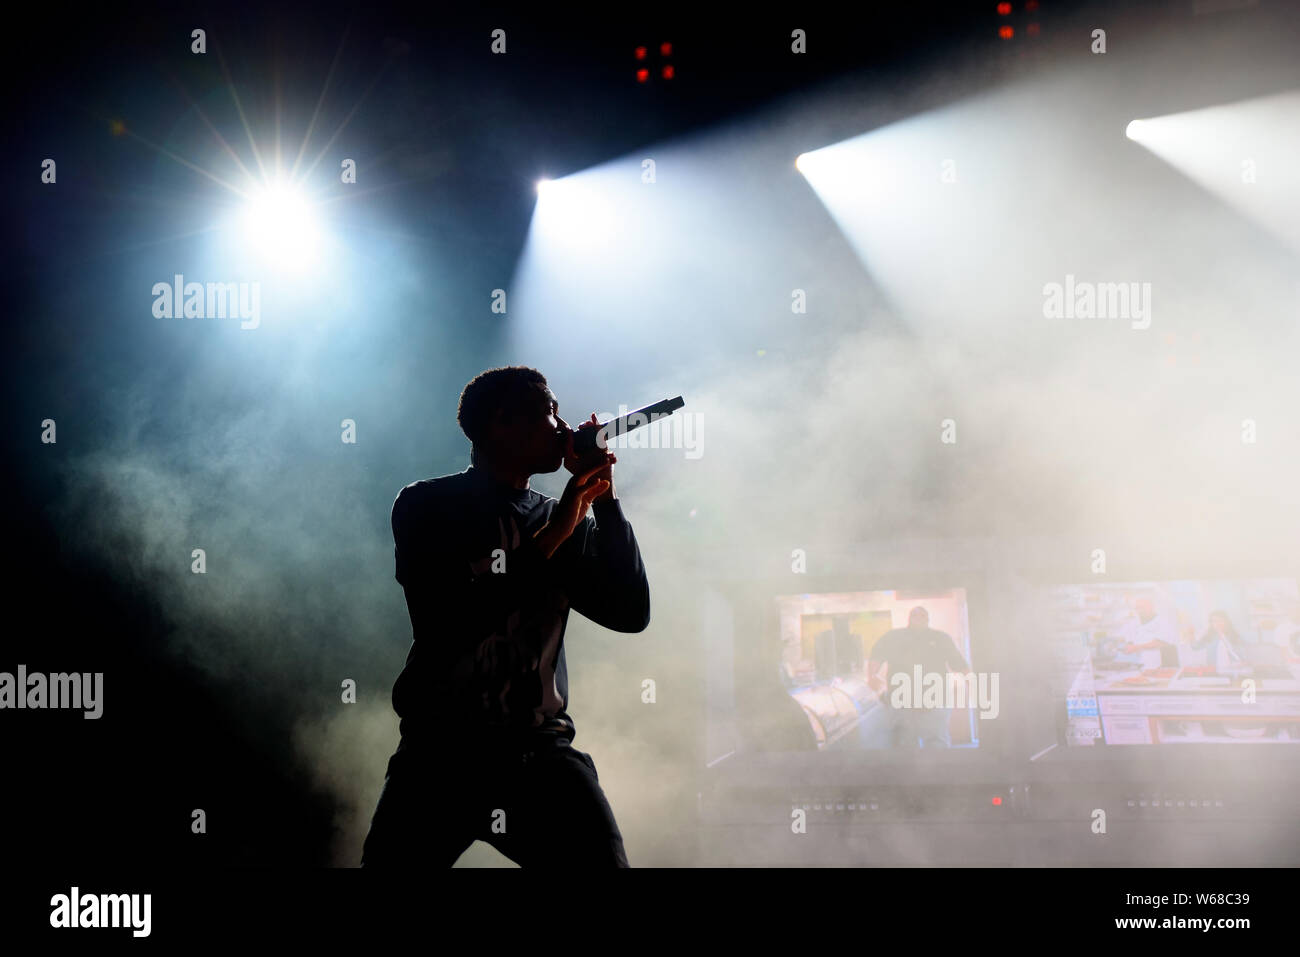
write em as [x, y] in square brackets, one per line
[668, 72]
[1004, 9]
[642, 75]
[1006, 33]
[665, 49]
[997, 802]
[640, 53]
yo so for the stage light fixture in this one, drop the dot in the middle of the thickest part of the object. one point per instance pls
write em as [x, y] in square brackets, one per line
[666, 71]
[280, 227]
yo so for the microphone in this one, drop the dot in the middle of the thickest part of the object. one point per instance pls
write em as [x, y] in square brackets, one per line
[584, 440]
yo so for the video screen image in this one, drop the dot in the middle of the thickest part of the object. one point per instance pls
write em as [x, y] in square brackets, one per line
[1179, 662]
[869, 670]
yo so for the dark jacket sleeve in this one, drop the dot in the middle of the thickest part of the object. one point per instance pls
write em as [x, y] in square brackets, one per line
[601, 571]
[430, 579]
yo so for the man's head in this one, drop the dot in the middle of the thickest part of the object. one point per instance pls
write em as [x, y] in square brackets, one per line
[509, 415]
[918, 617]
[1146, 608]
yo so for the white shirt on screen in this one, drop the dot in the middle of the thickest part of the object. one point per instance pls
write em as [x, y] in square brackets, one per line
[1158, 628]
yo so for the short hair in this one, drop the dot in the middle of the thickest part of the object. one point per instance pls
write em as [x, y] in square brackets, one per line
[506, 387]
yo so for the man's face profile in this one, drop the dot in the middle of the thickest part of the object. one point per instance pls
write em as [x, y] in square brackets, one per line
[529, 437]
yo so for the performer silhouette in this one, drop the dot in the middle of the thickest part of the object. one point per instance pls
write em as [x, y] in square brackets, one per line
[490, 568]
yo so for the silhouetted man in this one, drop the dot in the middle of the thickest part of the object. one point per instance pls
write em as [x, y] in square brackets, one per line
[902, 649]
[490, 569]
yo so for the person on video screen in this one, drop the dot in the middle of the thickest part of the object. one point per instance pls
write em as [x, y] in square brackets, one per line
[900, 650]
[1154, 635]
[1220, 642]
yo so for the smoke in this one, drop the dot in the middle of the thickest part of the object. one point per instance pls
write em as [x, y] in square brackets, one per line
[941, 402]
[280, 618]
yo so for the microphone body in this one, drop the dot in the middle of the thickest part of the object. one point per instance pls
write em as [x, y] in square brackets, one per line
[584, 440]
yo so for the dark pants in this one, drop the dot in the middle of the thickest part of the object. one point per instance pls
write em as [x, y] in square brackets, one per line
[540, 804]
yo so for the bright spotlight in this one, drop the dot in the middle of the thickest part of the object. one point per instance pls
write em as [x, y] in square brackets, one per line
[542, 184]
[799, 162]
[577, 213]
[280, 227]
[1133, 129]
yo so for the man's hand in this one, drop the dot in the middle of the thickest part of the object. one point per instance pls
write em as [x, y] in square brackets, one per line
[576, 464]
[583, 488]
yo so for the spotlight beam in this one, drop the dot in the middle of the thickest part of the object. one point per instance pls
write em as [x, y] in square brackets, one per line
[186, 163]
[211, 127]
[351, 113]
[1243, 153]
[239, 108]
[311, 126]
